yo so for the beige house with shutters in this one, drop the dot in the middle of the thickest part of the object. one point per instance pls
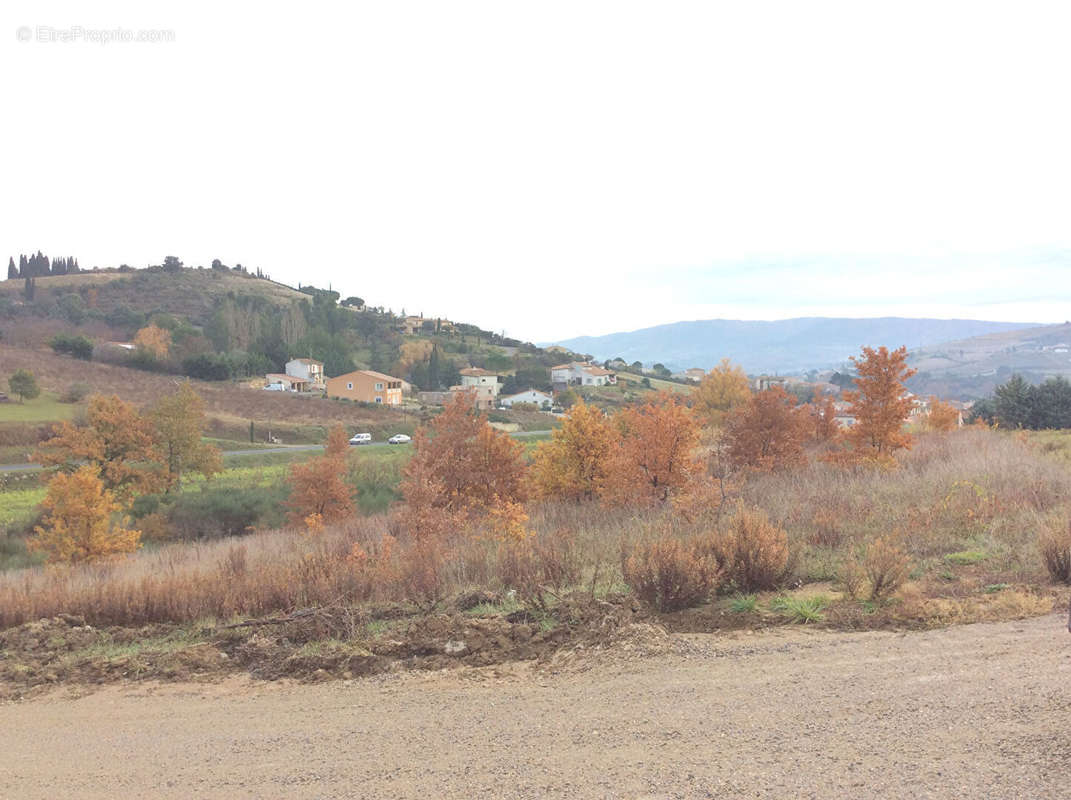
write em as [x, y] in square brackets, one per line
[366, 386]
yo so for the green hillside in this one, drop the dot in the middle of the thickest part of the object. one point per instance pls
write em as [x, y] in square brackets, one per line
[225, 324]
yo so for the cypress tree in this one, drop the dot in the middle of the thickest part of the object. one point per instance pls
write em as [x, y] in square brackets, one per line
[12, 272]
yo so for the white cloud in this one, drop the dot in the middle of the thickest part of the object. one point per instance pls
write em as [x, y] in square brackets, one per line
[553, 169]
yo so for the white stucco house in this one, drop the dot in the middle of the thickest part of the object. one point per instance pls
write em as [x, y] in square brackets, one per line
[481, 379]
[579, 373]
[533, 396]
[308, 368]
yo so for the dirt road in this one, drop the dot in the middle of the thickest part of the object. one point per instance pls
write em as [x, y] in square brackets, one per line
[976, 711]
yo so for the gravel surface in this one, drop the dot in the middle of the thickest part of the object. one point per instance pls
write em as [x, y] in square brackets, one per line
[969, 712]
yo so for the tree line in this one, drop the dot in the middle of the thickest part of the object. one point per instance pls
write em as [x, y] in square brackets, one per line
[37, 265]
[1020, 404]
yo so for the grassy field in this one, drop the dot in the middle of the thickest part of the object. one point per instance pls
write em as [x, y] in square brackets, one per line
[634, 382]
[46, 408]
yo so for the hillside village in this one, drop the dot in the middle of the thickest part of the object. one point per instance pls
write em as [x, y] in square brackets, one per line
[232, 325]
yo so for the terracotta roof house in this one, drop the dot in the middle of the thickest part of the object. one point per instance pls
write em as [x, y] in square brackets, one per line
[308, 368]
[478, 378]
[579, 373]
[366, 386]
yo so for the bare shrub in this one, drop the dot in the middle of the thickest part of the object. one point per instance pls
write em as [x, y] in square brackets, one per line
[1054, 542]
[421, 573]
[826, 529]
[753, 552]
[669, 574]
[885, 567]
[540, 565]
[852, 577]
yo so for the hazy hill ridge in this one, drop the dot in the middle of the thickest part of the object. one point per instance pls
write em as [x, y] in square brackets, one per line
[790, 345]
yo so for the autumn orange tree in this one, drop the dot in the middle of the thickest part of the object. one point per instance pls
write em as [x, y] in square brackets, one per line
[721, 390]
[319, 493]
[767, 432]
[880, 403]
[179, 422]
[573, 465]
[77, 524]
[823, 418]
[942, 417]
[655, 455]
[116, 441]
[460, 466]
[154, 341]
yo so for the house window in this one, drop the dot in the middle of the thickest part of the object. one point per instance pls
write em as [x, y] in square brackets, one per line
[379, 399]
[349, 385]
[379, 387]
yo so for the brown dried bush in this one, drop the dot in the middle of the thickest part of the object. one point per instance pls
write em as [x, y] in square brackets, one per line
[669, 573]
[886, 568]
[421, 573]
[539, 565]
[752, 551]
[880, 570]
[826, 529]
[1054, 542]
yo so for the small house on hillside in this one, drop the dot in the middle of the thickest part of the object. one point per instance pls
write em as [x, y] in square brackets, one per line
[366, 386]
[311, 370]
[279, 382]
[485, 396]
[581, 373]
[531, 396]
[477, 378]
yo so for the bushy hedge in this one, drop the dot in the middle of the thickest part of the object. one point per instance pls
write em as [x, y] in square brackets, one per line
[73, 345]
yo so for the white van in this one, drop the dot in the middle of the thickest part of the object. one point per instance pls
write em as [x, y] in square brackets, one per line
[361, 438]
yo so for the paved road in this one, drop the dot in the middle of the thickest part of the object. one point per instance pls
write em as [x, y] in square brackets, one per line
[291, 448]
[978, 711]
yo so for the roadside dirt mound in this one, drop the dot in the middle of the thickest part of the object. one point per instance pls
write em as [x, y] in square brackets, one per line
[325, 644]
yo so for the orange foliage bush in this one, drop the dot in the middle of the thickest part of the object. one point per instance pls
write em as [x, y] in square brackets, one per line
[116, 441]
[77, 524]
[670, 574]
[461, 466]
[823, 413]
[752, 552]
[942, 417]
[879, 403]
[154, 340]
[319, 493]
[655, 456]
[722, 389]
[573, 465]
[767, 432]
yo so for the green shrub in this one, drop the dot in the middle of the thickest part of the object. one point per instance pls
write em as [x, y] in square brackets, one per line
[211, 513]
[800, 609]
[743, 603]
[965, 558]
[75, 393]
[72, 345]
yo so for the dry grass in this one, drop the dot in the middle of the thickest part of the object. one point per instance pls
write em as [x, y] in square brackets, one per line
[975, 492]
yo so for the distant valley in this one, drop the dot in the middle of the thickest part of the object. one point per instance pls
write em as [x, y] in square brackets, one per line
[780, 346]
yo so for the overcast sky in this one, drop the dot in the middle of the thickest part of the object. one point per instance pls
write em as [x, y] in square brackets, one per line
[554, 169]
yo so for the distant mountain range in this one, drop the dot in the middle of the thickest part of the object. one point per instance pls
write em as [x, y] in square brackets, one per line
[782, 346]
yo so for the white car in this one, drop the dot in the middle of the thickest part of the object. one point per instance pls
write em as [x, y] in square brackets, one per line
[361, 438]
[399, 438]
